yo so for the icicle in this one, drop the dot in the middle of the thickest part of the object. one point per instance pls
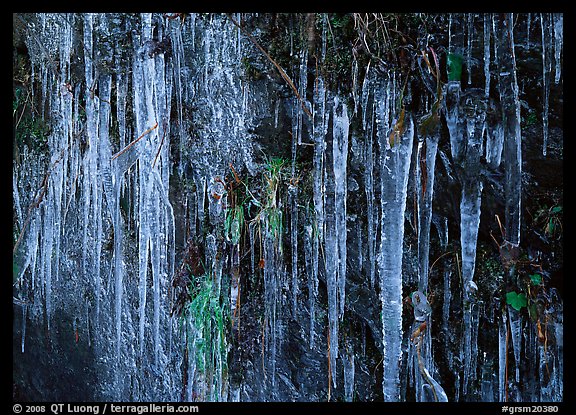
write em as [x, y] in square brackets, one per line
[528, 22]
[319, 132]
[546, 69]
[355, 85]
[467, 129]
[558, 19]
[201, 192]
[293, 195]
[324, 36]
[340, 160]
[425, 168]
[433, 392]
[359, 238]
[544, 375]
[271, 295]
[302, 91]
[502, 356]
[474, 110]
[394, 180]
[516, 335]
[235, 281]
[331, 266]
[309, 239]
[97, 214]
[442, 228]
[348, 363]
[487, 21]
[320, 128]
[494, 135]
[156, 275]
[251, 226]
[24, 312]
[16, 197]
[47, 246]
[446, 312]
[276, 113]
[452, 113]
[367, 123]
[179, 68]
[470, 32]
[487, 385]
[469, 223]
[469, 351]
[512, 151]
[449, 31]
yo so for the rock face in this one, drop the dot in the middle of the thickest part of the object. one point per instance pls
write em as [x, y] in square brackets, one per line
[288, 207]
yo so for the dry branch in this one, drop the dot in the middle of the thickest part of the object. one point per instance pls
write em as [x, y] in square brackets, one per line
[134, 142]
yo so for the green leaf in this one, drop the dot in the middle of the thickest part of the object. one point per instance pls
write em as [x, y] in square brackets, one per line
[536, 279]
[454, 66]
[557, 209]
[515, 300]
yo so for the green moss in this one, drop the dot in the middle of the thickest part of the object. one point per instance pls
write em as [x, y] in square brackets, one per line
[250, 71]
[33, 132]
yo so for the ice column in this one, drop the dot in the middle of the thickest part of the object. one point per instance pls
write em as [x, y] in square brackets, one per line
[546, 73]
[425, 168]
[394, 168]
[320, 127]
[339, 162]
[512, 155]
[367, 124]
[558, 41]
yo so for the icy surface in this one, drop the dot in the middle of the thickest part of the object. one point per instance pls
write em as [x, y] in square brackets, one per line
[139, 163]
[394, 167]
[339, 161]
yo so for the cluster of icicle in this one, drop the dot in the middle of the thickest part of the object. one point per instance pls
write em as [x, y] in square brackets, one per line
[475, 119]
[478, 125]
[552, 27]
[87, 179]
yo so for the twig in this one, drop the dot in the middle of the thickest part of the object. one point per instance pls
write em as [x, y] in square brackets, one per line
[133, 142]
[23, 110]
[502, 231]
[437, 259]
[238, 181]
[160, 146]
[280, 70]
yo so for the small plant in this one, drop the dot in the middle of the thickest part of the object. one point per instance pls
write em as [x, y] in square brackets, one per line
[553, 221]
[206, 319]
[273, 176]
[270, 212]
[549, 221]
